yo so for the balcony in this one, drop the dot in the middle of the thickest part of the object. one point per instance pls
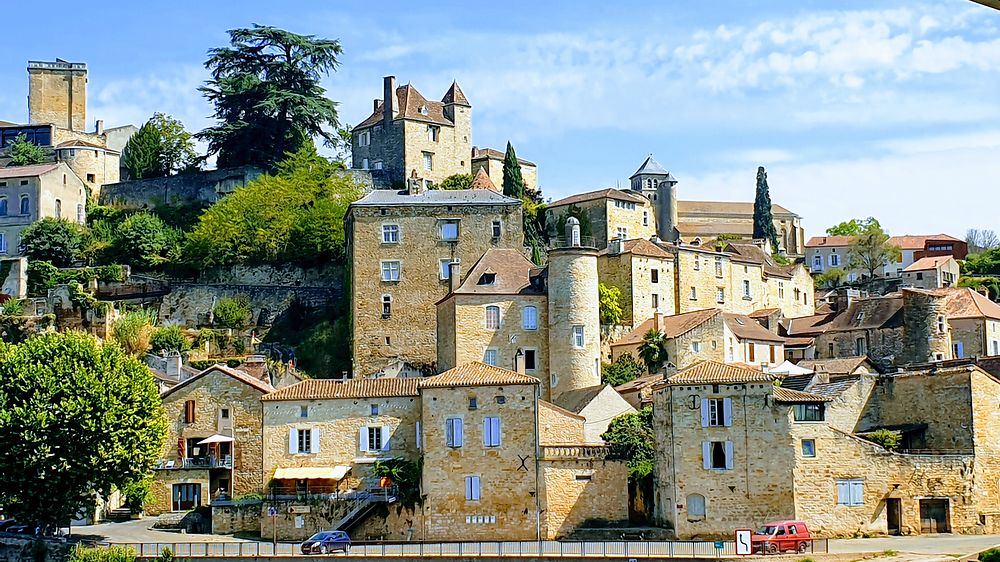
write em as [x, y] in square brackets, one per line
[568, 452]
[225, 461]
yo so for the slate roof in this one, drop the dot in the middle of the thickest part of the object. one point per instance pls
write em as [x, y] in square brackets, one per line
[333, 389]
[608, 193]
[763, 312]
[930, 262]
[835, 387]
[713, 372]
[434, 197]
[671, 326]
[782, 394]
[796, 382]
[455, 95]
[807, 325]
[408, 103]
[513, 274]
[493, 154]
[838, 366]
[476, 374]
[241, 376]
[650, 166]
[725, 208]
[878, 312]
[27, 171]
[578, 399]
[746, 328]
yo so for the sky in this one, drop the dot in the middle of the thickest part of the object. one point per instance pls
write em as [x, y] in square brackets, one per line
[884, 108]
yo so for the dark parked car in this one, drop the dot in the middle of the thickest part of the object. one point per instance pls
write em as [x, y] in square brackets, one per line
[325, 542]
[7, 524]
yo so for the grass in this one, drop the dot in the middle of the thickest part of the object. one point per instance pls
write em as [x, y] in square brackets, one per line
[889, 553]
[807, 560]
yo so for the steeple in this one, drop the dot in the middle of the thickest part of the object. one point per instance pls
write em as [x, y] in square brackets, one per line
[650, 167]
[455, 96]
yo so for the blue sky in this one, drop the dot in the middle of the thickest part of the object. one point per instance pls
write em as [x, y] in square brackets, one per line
[884, 108]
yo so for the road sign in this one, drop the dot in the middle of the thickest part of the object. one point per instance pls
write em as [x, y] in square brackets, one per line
[719, 545]
[272, 511]
[743, 545]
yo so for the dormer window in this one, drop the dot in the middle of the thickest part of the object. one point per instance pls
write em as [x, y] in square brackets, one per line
[488, 278]
[423, 110]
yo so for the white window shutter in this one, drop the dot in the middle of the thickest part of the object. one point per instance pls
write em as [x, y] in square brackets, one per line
[706, 454]
[314, 441]
[449, 432]
[487, 440]
[843, 492]
[476, 490]
[857, 492]
[419, 437]
[704, 412]
[729, 455]
[385, 438]
[496, 431]
[458, 432]
[727, 412]
[293, 441]
[363, 439]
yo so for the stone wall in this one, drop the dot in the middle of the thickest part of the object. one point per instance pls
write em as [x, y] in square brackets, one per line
[578, 491]
[926, 335]
[298, 520]
[557, 426]
[236, 517]
[13, 549]
[884, 346]
[14, 277]
[190, 303]
[452, 151]
[573, 301]
[638, 222]
[198, 188]
[393, 522]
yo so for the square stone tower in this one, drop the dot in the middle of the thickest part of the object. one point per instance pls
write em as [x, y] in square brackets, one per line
[57, 94]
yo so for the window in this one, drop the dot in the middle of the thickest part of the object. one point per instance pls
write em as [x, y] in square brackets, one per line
[378, 165]
[492, 317]
[696, 506]
[851, 492]
[58, 209]
[24, 205]
[364, 163]
[303, 441]
[428, 161]
[834, 260]
[941, 326]
[578, 339]
[830, 350]
[3, 243]
[473, 403]
[374, 409]
[920, 276]
[860, 348]
[656, 301]
[818, 262]
[390, 270]
[645, 218]
[694, 293]
[453, 432]
[3, 206]
[530, 360]
[472, 491]
[717, 455]
[718, 267]
[746, 288]
[751, 350]
[716, 412]
[186, 496]
[497, 229]
[303, 411]
[491, 431]
[696, 346]
[490, 357]
[189, 411]
[809, 448]
[720, 295]
[24, 182]
[654, 275]
[432, 133]
[449, 230]
[622, 233]
[364, 138]
[487, 279]
[390, 233]
[959, 348]
[375, 438]
[809, 412]
[529, 318]
[386, 307]
[445, 272]
[697, 264]
[781, 289]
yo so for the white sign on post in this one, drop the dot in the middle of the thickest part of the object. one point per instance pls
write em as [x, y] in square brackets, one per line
[743, 543]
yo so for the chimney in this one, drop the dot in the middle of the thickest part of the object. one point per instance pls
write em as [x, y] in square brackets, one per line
[172, 366]
[454, 275]
[100, 126]
[389, 95]
[375, 103]
[519, 361]
[656, 322]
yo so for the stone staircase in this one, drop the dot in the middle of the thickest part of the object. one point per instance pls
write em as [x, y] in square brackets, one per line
[119, 515]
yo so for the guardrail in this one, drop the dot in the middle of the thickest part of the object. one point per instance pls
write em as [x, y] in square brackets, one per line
[497, 549]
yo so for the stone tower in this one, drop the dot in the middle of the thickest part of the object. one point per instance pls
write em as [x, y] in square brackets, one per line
[656, 183]
[57, 94]
[926, 332]
[574, 315]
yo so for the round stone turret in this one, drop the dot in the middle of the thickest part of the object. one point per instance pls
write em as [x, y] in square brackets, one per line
[574, 317]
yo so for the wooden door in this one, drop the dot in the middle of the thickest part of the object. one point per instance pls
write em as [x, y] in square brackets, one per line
[934, 516]
[894, 516]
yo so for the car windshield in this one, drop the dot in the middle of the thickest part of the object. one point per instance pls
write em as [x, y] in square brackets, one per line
[767, 530]
[320, 536]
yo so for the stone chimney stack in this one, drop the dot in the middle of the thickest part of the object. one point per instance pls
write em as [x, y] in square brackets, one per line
[389, 97]
[454, 276]
[375, 103]
[100, 127]
[519, 361]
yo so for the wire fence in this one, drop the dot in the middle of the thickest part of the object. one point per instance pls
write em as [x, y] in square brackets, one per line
[488, 549]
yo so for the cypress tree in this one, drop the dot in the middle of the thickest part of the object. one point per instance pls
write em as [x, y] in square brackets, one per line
[142, 154]
[763, 222]
[513, 183]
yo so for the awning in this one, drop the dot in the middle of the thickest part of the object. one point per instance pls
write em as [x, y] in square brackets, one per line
[789, 368]
[216, 439]
[312, 473]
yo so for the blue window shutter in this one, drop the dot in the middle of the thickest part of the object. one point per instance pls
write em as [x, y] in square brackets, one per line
[843, 492]
[458, 432]
[706, 454]
[496, 431]
[729, 455]
[857, 492]
[727, 412]
[704, 412]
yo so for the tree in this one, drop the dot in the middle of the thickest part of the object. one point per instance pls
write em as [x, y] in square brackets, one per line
[653, 351]
[763, 221]
[56, 241]
[134, 330]
[624, 369]
[870, 251]
[141, 239]
[160, 147]
[23, 152]
[169, 338]
[455, 182]
[267, 95]
[141, 155]
[831, 278]
[75, 418]
[981, 240]
[630, 438]
[853, 227]
[610, 302]
[233, 313]
[513, 183]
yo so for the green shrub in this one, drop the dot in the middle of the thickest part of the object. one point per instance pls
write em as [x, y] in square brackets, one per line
[233, 313]
[888, 439]
[56, 241]
[82, 553]
[625, 369]
[12, 307]
[133, 331]
[138, 494]
[169, 338]
[991, 555]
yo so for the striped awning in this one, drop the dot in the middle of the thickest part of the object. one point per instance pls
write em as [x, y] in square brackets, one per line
[312, 473]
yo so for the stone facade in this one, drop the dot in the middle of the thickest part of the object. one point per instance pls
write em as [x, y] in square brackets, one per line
[926, 333]
[580, 488]
[57, 93]
[645, 278]
[492, 162]
[932, 273]
[408, 331]
[573, 306]
[217, 402]
[42, 190]
[613, 214]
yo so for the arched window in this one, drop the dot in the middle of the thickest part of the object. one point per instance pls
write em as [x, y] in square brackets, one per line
[24, 205]
[3, 206]
[58, 209]
[649, 183]
[696, 506]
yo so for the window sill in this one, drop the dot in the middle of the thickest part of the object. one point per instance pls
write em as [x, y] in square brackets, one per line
[390, 281]
[746, 298]
[384, 243]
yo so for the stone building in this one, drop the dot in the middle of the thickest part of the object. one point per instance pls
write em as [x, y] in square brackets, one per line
[498, 463]
[825, 252]
[213, 444]
[400, 246]
[491, 162]
[644, 273]
[408, 135]
[613, 214]
[31, 193]
[735, 450]
[931, 273]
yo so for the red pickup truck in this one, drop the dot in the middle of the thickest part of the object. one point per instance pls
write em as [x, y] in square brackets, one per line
[781, 536]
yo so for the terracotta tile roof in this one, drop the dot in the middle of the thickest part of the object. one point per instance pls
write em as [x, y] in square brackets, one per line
[8, 124]
[80, 144]
[763, 312]
[746, 328]
[753, 253]
[799, 342]
[797, 397]
[923, 264]
[609, 193]
[408, 104]
[578, 399]
[671, 326]
[476, 374]
[639, 383]
[713, 372]
[27, 171]
[807, 325]
[831, 241]
[724, 208]
[493, 154]
[837, 366]
[917, 242]
[964, 302]
[640, 247]
[483, 181]
[332, 389]
[455, 95]
[512, 274]
[241, 376]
